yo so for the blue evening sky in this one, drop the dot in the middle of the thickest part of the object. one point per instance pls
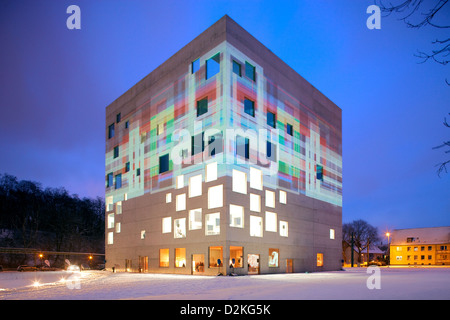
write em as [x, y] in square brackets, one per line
[55, 84]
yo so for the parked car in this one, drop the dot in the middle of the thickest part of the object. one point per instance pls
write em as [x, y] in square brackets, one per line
[73, 268]
[26, 268]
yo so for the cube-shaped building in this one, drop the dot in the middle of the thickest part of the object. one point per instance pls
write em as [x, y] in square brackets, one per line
[223, 160]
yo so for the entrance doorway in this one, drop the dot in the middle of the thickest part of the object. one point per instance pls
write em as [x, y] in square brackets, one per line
[253, 263]
[143, 264]
[198, 263]
[289, 265]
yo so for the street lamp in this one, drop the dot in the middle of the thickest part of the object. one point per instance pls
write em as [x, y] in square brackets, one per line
[388, 234]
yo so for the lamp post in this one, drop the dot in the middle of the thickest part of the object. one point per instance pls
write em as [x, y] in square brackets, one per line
[388, 234]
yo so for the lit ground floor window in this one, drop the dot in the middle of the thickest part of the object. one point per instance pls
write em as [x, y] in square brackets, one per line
[236, 257]
[215, 257]
[180, 257]
[163, 257]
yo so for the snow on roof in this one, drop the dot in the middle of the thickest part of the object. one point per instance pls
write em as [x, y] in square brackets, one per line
[434, 235]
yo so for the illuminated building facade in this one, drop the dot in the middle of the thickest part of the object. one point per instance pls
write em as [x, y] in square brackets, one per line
[223, 159]
[420, 246]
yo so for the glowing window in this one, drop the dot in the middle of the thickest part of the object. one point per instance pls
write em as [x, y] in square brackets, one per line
[283, 197]
[271, 221]
[283, 228]
[213, 66]
[211, 171]
[215, 257]
[109, 203]
[163, 257]
[166, 225]
[110, 220]
[256, 178]
[256, 228]
[255, 202]
[195, 186]
[215, 197]
[142, 234]
[179, 181]
[180, 257]
[270, 199]
[236, 216]
[212, 222]
[236, 254]
[110, 237]
[168, 197]
[181, 202]
[195, 219]
[320, 259]
[332, 234]
[179, 228]
[273, 258]
[239, 181]
[118, 227]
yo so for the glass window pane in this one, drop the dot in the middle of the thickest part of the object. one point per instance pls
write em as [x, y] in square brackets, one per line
[270, 199]
[167, 225]
[239, 181]
[212, 222]
[256, 228]
[213, 66]
[215, 257]
[181, 202]
[283, 228]
[249, 71]
[237, 68]
[255, 202]
[211, 171]
[236, 216]
[271, 119]
[179, 181]
[273, 258]
[195, 219]
[202, 106]
[283, 197]
[110, 220]
[180, 257]
[163, 257]
[195, 65]
[179, 228]
[164, 163]
[249, 107]
[256, 178]
[215, 197]
[236, 257]
[195, 186]
[271, 221]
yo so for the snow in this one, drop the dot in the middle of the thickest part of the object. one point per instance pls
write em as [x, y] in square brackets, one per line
[396, 283]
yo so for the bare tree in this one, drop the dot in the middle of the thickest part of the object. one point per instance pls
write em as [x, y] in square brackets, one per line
[419, 13]
[443, 166]
[363, 234]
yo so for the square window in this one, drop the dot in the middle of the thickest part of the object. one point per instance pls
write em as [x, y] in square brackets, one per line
[179, 228]
[195, 219]
[289, 129]
[195, 65]
[179, 181]
[271, 221]
[236, 216]
[283, 228]
[215, 197]
[164, 163]
[181, 202]
[163, 257]
[211, 172]
[213, 66]
[195, 186]
[212, 222]
[118, 183]
[180, 257]
[116, 152]
[202, 106]
[111, 131]
[270, 199]
[167, 225]
[250, 71]
[332, 234]
[239, 181]
[283, 197]
[256, 229]
[249, 107]
[255, 202]
[256, 178]
[168, 197]
[271, 119]
[237, 68]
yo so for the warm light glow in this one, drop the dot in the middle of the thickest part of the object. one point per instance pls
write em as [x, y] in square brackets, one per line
[36, 284]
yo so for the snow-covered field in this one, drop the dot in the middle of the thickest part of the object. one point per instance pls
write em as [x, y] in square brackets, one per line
[386, 283]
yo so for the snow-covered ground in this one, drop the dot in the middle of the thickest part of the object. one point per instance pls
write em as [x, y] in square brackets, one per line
[386, 283]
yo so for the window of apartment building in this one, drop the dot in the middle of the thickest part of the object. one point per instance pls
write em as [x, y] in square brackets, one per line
[211, 172]
[167, 225]
[213, 66]
[179, 228]
[164, 257]
[270, 199]
[110, 220]
[271, 221]
[283, 228]
[180, 202]
[212, 221]
[179, 181]
[250, 71]
[180, 257]
[164, 163]
[202, 106]
[243, 147]
[195, 219]
[236, 216]
[118, 117]
[289, 129]
[320, 259]
[118, 182]
[215, 257]
[429, 258]
[168, 197]
[111, 237]
[271, 119]
[109, 180]
[256, 178]
[119, 207]
[239, 181]
[195, 65]
[195, 186]
[273, 258]
[142, 234]
[283, 197]
[109, 203]
[430, 248]
[237, 68]
[111, 131]
[332, 234]
[249, 107]
[118, 227]
[116, 151]
[236, 257]
[215, 197]
[256, 226]
[255, 202]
